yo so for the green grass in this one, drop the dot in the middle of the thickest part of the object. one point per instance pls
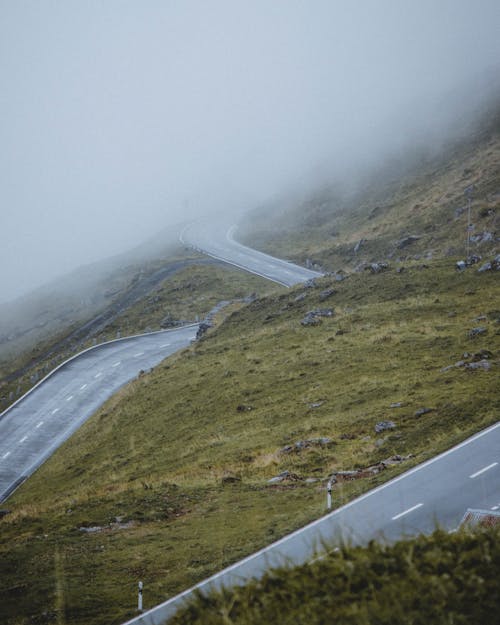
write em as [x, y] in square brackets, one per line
[439, 579]
[157, 454]
[187, 295]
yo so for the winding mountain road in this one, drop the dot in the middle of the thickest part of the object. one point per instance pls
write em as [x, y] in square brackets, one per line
[438, 491]
[216, 240]
[40, 421]
[37, 424]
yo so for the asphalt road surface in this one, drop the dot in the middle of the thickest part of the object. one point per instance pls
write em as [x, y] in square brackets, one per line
[217, 241]
[436, 492]
[38, 423]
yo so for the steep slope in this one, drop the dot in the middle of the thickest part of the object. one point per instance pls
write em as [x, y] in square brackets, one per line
[413, 207]
[169, 481]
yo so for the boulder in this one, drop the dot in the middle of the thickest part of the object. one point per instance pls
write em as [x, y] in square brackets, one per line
[377, 267]
[326, 294]
[407, 241]
[382, 426]
[202, 328]
[478, 331]
[421, 411]
[481, 364]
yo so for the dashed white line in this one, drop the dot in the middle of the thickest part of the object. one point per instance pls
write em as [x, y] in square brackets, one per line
[117, 363]
[83, 386]
[6, 455]
[23, 439]
[495, 507]
[398, 516]
[38, 425]
[98, 375]
[139, 354]
[69, 398]
[166, 345]
[55, 410]
[483, 470]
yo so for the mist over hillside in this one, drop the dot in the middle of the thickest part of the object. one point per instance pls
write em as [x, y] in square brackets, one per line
[119, 119]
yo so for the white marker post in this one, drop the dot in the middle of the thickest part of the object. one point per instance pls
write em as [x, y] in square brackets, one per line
[329, 495]
[139, 598]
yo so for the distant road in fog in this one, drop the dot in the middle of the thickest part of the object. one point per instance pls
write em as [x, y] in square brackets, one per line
[37, 424]
[217, 241]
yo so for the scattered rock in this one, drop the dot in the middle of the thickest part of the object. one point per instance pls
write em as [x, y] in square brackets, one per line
[339, 276]
[284, 476]
[407, 241]
[313, 317]
[473, 259]
[474, 332]
[482, 354]
[421, 411]
[300, 297]
[460, 265]
[481, 364]
[339, 332]
[244, 408]
[377, 267]
[486, 267]
[348, 476]
[382, 426]
[396, 404]
[483, 237]
[316, 404]
[91, 530]
[400, 270]
[493, 265]
[202, 328]
[326, 294]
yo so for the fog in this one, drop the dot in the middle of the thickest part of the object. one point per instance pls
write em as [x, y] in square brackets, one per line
[120, 118]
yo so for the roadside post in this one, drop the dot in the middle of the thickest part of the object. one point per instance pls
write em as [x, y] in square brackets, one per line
[329, 495]
[139, 598]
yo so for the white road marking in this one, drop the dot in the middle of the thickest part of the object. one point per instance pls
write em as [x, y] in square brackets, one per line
[23, 439]
[5, 455]
[98, 375]
[83, 386]
[398, 516]
[55, 410]
[165, 345]
[39, 424]
[117, 363]
[483, 470]
[139, 354]
[495, 507]
[69, 398]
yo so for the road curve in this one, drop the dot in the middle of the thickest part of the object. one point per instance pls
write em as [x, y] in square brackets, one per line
[40, 421]
[436, 492]
[216, 240]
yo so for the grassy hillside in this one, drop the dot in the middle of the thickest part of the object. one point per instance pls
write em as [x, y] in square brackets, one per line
[158, 295]
[169, 481]
[439, 579]
[420, 195]
[177, 485]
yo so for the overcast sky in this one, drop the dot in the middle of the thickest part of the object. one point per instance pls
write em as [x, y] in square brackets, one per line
[120, 117]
